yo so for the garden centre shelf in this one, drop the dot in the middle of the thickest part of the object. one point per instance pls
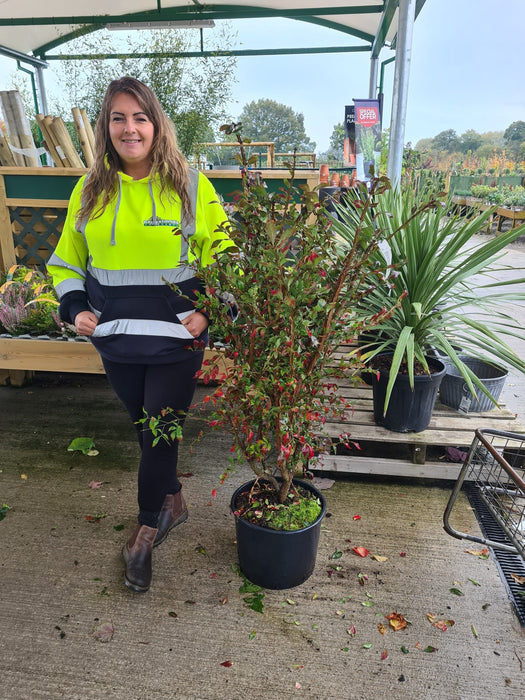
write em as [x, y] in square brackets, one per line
[448, 428]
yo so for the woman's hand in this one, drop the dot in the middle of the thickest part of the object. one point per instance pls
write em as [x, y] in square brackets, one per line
[85, 323]
[196, 323]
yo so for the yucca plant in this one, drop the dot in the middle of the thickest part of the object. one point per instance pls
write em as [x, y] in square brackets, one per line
[450, 302]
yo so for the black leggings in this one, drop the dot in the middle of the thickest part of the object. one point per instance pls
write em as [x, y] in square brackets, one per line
[153, 388]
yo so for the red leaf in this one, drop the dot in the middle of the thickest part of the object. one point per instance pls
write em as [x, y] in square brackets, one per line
[384, 655]
[214, 493]
[361, 551]
[357, 517]
[104, 632]
[227, 664]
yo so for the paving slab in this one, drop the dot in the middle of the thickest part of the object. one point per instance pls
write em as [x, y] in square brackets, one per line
[61, 578]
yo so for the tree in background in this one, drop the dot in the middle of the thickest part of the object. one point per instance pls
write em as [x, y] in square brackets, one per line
[267, 120]
[470, 141]
[337, 139]
[192, 91]
[514, 137]
[446, 141]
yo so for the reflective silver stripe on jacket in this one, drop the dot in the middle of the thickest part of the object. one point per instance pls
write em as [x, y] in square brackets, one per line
[70, 285]
[125, 278]
[148, 327]
[55, 260]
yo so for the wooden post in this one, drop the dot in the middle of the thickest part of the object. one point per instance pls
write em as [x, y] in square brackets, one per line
[12, 130]
[43, 123]
[18, 128]
[65, 144]
[6, 156]
[7, 248]
[82, 136]
[271, 155]
[89, 130]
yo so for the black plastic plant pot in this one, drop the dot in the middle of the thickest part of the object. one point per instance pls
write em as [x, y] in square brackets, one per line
[409, 410]
[277, 559]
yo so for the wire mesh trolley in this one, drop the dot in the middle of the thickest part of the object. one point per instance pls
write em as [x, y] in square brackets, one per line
[495, 464]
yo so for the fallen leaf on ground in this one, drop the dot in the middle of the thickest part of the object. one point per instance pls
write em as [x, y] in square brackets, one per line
[351, 631]
[104, 632]
[357, 517]
[226, 664]
[442, 625]
[384, 655]
[23, 477]
[81, 444]
[518, 579]
[381, 628]
[376, 557]
[456, 591]
[361, 551]
[483, 553]
[397, 621]
[95, 484]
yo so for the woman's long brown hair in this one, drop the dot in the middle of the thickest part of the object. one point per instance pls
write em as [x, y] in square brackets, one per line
[166, 159]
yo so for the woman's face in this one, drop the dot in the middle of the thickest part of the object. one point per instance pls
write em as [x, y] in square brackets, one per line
[131, 133]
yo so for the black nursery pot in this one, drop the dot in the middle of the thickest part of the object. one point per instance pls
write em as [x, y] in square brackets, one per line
[409, 410]
[277, 559]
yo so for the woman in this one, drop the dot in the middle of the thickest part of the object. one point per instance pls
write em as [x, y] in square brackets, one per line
[136, 222]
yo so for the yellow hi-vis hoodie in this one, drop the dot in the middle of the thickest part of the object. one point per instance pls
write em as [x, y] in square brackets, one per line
[118, 265]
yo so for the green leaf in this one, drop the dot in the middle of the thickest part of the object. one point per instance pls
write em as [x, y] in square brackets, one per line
[368, 645]
[367, 603]
[248, 587]
[82, 444]
[429, 649]
[476, 583]
[3, 510]
[456, 591]
[118, 528]
[255, 602]
[405, 650]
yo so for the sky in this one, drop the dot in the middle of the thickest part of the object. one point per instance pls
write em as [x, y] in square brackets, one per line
[467, 71]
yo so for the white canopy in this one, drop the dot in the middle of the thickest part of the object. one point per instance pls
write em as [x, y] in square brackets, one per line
[35, 27]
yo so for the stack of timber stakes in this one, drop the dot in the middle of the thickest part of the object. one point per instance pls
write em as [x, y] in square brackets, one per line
[55, 136]
[20, 149]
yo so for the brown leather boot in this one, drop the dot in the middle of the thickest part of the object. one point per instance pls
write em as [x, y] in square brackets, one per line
[173, 513]
[137, 557]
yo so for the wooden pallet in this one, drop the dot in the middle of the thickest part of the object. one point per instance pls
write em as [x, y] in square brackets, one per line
[448, 428]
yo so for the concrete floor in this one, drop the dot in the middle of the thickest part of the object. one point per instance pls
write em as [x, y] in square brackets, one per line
[61, 577]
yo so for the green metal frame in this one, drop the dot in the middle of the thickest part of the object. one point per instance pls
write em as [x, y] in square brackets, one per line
[211, 12]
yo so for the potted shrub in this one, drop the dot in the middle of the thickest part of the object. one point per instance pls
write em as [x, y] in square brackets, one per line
[296, 287]
[449, 303]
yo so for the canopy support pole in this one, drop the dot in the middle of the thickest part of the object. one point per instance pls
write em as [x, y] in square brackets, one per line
[407, 11]
[372, 87]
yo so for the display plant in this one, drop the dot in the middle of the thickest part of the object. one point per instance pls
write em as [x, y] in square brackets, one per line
[28, 303]
[451, 304]
[295, 287]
